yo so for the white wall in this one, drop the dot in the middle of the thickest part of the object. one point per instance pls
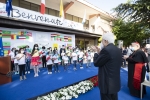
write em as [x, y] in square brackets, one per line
[101, 25]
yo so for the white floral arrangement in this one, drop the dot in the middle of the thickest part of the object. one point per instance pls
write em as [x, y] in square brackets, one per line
[69, 92]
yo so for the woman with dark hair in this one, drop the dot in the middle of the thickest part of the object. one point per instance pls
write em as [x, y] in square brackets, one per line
[21, 62]
[16, 62]
[35, 59]
[43, 54]
[12, 55]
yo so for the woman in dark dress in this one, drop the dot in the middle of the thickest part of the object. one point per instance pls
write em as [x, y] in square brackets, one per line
[136, 70]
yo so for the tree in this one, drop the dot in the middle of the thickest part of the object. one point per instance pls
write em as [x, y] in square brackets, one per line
[136, 11]
[130, 32]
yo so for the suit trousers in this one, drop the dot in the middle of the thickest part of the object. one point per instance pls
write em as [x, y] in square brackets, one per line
[109, 96]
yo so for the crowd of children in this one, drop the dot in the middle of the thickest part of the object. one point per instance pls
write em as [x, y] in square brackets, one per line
[22, 59]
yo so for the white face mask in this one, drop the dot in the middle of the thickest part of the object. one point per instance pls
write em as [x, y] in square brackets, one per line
[16, 52]
[22, 51]
[101, 46]
[36, 47]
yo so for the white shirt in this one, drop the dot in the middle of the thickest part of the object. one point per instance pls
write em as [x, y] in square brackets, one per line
[62, 54]
[15, 61]
[81, 54]
[43, 52]
[49, 62]
[56, 58]
[129, 52]
[89, 55]
[74, 56]
[22, 60]
[12, 55]
[65, 58]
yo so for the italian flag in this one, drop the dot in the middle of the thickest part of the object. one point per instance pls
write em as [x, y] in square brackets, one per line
[42, 6]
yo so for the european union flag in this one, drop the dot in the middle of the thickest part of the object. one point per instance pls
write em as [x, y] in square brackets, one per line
[1, 46]
[8, 7]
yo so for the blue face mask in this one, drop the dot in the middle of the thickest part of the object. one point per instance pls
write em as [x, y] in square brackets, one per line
[132, 48]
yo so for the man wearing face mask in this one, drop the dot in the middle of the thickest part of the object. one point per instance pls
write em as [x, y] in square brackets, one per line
[136, 69]
[108, 61]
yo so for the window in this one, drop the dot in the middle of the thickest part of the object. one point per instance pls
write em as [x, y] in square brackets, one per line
[35, 7]
[69, 17]
[80, 20]
[15, 2]
[52, 12]
[76, 19]
[57, 13]
[46, 10]
[24, 4]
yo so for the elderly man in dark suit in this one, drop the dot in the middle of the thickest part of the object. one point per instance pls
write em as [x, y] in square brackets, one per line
[109, 60]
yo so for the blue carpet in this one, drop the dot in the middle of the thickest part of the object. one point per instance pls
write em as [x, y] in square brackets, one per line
[123, 94]
[21, 90]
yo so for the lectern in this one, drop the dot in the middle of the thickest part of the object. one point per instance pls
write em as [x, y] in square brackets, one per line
[5, 70]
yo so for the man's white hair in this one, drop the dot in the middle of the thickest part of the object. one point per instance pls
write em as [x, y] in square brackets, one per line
[108, 37]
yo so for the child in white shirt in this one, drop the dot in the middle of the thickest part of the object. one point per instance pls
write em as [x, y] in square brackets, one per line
[81, 55]
[16, 63]
[49, 62]
[65, 59]
[55, 59]
[21, 62]
[62, 55]
[89, 57]
[74, 58]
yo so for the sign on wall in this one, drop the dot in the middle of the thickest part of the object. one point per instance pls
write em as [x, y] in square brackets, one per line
[28, 15]
[21, 37]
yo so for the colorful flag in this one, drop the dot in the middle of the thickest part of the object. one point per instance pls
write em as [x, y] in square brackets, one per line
[42, 6]
[1, 46]
[61, 12]
[21, 37]
[69, 39]
[28, 33]
[65, 38]
[13, 36]
[84, 18]
[8, 7]
[69, 45]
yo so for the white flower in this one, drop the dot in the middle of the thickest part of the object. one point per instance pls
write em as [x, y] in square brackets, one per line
[65, 90]
[52, 96]
[83, 91]
[63, 98]
[45, 97]
[76, 96]
[68, 97]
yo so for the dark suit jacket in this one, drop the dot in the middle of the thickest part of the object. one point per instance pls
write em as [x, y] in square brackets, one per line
[61, 50]
[109, 62]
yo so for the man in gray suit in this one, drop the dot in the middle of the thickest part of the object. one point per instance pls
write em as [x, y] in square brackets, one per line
[108, 61]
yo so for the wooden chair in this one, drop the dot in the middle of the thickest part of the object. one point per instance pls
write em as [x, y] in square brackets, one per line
[146, 83]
